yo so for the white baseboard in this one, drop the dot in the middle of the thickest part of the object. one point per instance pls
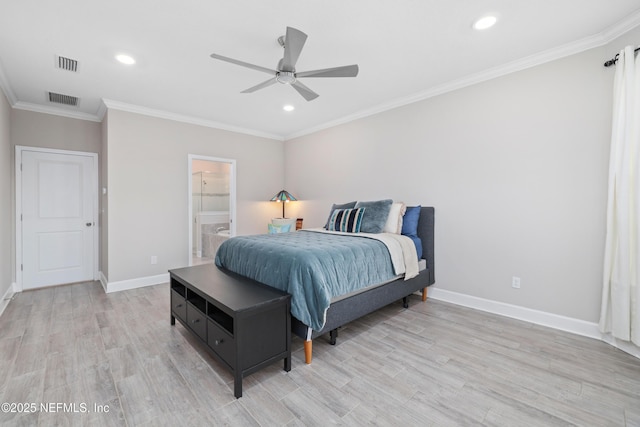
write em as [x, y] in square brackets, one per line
[139, 282]
[555, 321]
[625, 346]
[108, 287]
[6, 298]
[103, 281]
[563, 323]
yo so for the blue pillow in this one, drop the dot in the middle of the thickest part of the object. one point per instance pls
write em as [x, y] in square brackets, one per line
[346, 220]
[376, 216]
[276, 229]
[410, 226]
[410, 221]
[418, 242]
[349, 205]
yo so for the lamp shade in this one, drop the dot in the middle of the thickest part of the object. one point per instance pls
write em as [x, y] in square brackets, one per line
[283, 196]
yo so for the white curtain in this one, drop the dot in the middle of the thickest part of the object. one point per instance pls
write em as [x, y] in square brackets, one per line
[620, 312]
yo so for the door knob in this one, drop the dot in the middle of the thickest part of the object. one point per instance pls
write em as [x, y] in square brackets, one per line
[89, 224]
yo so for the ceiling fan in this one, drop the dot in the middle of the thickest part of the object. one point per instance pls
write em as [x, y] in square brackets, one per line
[286, 73]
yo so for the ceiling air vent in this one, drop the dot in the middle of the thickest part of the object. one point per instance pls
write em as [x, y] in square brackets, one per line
[67, 64]
[63, 99]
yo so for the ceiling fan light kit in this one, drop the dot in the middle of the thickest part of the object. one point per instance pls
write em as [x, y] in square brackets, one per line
[285, 72]
[286, 77]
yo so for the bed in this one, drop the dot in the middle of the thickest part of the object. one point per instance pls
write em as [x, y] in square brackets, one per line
[282, 261]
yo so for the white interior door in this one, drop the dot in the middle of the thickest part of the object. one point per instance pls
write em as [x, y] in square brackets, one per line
[58, 218]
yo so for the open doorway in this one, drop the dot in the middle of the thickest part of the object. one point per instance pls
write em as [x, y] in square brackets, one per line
[212, 202]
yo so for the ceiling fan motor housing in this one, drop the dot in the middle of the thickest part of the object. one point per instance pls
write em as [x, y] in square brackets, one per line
[286, 77]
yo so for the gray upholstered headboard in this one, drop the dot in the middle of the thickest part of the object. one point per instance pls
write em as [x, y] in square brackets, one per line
[426, 234]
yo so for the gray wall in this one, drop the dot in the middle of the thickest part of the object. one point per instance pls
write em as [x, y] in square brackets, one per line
[143, 166]
[7, 274]
[516, 168]
[147, 185]
[33, 129]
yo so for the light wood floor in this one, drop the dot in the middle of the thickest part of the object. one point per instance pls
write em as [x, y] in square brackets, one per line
[433, 364]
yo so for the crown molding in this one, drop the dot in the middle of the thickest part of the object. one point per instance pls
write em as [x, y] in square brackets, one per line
[131, 108]
[483, 76]
[606, 36]
[102, 110]
[578, 46]
[624, 26]
[28, 106]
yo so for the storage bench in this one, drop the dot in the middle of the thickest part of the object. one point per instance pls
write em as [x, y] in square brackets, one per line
[244, 324]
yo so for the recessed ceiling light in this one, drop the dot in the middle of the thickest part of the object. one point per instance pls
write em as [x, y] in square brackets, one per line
[288, 108]
[485, 22]
[125, 59]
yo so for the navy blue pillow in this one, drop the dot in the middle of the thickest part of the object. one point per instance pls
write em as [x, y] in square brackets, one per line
[349, 205]
[346, 220]
[410, 226]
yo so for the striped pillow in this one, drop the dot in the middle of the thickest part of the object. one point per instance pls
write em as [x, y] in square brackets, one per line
[347, 220]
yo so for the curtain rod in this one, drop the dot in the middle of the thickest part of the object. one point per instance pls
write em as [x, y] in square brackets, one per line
[613, 60]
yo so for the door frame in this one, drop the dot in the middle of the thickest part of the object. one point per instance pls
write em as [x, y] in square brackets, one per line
[18, 192]
[232, 196]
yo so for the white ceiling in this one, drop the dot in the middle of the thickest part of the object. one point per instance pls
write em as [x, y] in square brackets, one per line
[406, 49]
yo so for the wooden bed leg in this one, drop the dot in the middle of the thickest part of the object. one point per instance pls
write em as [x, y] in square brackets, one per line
[424, 294]
[307, 351]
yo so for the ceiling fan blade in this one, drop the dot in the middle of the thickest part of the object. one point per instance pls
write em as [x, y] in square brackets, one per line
[306, 93]
[260, 86]
[293, 43]
[345, 71]
[243, 64]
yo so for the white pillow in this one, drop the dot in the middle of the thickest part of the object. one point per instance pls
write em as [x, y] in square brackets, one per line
[394, 220]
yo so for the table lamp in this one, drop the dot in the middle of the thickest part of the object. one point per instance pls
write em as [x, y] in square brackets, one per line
[283, 197]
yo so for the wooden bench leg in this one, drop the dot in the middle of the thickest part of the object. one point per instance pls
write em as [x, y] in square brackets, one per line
[424, 294]
[307, 351]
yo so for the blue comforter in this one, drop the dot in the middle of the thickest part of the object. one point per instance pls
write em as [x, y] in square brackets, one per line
[312, 267]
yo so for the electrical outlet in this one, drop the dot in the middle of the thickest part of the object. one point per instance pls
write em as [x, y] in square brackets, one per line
[154, 259]
[515, 282]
